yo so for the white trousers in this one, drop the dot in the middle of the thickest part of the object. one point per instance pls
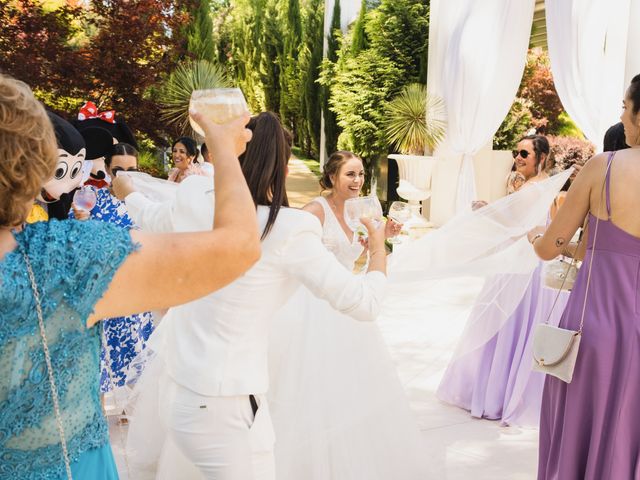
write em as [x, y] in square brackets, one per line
[219, 436]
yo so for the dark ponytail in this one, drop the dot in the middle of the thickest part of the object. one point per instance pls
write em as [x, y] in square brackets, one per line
[264, 165]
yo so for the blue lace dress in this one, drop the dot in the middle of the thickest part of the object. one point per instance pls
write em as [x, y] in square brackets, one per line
[125, 337]
[70, 283]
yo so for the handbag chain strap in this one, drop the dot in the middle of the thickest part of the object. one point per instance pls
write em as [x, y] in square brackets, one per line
[47, 357]
[573, 260]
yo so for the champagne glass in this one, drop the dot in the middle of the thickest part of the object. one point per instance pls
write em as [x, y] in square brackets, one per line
[399, 212]
[359, 207]
[85, 198]
[221, 105]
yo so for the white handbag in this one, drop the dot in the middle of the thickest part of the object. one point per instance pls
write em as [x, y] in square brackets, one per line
[555, 349]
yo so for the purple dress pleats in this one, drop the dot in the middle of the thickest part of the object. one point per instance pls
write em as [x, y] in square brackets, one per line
[496, 380]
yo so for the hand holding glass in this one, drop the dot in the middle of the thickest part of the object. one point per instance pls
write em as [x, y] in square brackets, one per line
[362, 207]
[85, 198]
[399, 212]
[221, 105]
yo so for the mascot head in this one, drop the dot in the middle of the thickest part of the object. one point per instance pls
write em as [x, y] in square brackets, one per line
[71, 155]
[99, 146]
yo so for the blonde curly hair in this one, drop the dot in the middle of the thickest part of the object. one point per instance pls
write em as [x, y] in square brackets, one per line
[28, 150]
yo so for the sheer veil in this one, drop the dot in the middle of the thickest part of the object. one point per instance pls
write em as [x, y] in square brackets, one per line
[487, 242]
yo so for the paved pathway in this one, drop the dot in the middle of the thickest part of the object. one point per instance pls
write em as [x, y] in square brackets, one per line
[302, 184]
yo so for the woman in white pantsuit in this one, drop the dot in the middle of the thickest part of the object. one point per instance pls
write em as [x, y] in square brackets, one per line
[214, 375]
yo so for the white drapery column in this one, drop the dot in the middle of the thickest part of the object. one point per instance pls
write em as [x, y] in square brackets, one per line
[477, 54]
[588, 51]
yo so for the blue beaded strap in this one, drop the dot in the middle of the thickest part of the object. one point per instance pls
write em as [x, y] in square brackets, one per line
[47, 357]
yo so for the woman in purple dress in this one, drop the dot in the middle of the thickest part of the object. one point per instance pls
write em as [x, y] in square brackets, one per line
[589, 428]
[495, 381]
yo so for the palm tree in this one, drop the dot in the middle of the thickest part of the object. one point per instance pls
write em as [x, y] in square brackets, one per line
[174, 95]
[415, 120]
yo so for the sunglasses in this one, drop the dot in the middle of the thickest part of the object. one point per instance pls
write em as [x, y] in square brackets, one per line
[115, 170]
[523, 153]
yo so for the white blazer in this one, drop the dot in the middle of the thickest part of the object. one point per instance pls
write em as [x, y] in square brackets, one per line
[217, 345]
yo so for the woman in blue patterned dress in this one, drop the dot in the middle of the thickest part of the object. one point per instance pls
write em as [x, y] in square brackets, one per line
[46, 434]
[124, 337]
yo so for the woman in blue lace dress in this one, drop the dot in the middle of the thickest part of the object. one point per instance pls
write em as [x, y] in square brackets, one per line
[124, 337]
[136, 272]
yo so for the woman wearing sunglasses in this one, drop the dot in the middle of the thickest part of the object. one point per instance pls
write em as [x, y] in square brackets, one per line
[529, 162]
[496, 381]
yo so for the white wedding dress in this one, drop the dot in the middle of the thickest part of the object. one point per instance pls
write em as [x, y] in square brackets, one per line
[338, 408]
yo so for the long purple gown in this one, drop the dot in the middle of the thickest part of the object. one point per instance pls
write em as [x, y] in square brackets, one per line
[589, 428]
[496, 381]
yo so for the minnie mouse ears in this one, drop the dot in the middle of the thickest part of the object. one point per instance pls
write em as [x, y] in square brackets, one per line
[90, 117]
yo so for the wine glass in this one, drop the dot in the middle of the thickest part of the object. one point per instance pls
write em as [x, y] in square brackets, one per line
[359, 207]
[399, 212]
[221, 105]
[85, 198]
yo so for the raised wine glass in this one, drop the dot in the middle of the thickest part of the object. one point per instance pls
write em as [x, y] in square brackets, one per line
[399, 212]
[221, 105]
[359, 207]
[85, 198]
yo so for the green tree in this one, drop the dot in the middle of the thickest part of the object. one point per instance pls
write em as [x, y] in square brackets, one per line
[399, 30]
[360, 90]
[359, 41]
[331, 128]
[310, 69]
[270, 51]
[290, 82]
[199, 35]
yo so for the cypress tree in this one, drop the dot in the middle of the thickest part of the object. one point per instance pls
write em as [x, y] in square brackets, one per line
[271, 49]
[331, 128]
[200, 42]
[359, 41]
[311, 100]
[290, 82]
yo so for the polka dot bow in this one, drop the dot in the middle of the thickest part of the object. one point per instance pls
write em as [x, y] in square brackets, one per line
[89, 110]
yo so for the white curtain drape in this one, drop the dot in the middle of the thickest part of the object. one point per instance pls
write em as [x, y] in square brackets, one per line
[588, 51]
[477, 55]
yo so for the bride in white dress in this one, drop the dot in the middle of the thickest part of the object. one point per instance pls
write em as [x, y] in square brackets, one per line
[338, 408]
[202, 400]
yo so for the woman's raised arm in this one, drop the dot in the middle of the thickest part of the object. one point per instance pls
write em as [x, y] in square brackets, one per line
[172, 269]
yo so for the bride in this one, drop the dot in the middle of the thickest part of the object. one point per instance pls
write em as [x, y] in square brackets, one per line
[338, 407]
[210, 378]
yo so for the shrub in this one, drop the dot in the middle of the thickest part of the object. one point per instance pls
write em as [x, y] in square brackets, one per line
[151, 163]
[567, 151]
[414, 120]
[537, 87]
[360, 92]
